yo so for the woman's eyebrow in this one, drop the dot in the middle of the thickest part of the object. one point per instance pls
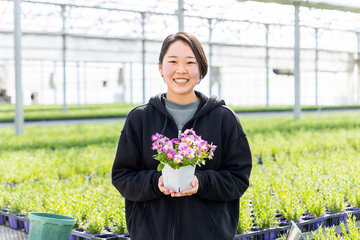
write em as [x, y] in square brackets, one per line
[177, 57]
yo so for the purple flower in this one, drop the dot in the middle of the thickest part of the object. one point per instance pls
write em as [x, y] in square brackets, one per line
[168, 145]
[170, 153]
[156, 136]
[190, 146]
[211, 154]
[212, 149]
[186, 152]
[203, 146]
[191, 153]
[190, 132]
[182, 146]
[178, 158]
[189, 140]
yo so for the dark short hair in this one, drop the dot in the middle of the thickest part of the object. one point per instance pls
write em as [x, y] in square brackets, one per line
[195, 46]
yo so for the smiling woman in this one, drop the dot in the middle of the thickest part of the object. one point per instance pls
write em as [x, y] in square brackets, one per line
[182, 64]
[209, 209]
[181, 73]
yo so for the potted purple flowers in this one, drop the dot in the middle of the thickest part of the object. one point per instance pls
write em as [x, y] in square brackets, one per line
[179, 157]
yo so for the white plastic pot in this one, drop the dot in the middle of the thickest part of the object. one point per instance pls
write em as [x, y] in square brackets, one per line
[178, 179]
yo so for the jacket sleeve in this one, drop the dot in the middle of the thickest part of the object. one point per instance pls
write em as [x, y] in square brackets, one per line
[128, 176]
[232, 179]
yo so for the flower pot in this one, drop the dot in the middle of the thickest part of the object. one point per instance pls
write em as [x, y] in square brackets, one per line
[241, 237]
[90, 234]
[178, 179]
[125, 236]
[336, 218]
[351, 209]
[313, 226]
[46, 226]
[109, 236]
[269, 236]
[287, 223]
[14, 224]
[2, 219]
[27, 227]
[5, 218]
[21, 224]
[265, 236]
[74, 237]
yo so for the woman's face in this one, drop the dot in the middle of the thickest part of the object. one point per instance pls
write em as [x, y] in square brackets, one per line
[181, 73]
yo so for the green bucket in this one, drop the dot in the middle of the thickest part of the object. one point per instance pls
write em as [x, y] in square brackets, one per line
[46, 226]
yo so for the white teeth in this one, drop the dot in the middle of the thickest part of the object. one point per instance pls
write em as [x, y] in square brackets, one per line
[180, 80]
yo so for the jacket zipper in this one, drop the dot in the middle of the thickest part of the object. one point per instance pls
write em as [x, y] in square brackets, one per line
[179, 127]
[175, 217]
[176, 202]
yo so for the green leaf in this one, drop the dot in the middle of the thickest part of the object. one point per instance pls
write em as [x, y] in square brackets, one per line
[160, 166]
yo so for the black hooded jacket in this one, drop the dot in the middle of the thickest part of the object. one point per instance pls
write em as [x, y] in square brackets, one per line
[211, 213]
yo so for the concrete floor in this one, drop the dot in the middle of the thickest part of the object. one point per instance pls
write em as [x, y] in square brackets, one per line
[6, 233]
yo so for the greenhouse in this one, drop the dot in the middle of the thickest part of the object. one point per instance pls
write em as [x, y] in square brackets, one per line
[272, 61]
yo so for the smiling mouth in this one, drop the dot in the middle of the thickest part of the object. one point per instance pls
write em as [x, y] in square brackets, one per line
[181, 80]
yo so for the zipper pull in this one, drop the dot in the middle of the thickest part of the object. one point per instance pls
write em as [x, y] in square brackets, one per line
[179, 128]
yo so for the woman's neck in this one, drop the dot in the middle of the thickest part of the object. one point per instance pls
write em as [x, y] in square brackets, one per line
[182, 99]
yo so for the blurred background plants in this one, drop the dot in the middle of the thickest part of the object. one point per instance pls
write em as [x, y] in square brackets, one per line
[306, 165]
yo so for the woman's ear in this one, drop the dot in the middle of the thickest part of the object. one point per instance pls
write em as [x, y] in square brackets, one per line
[160, 69]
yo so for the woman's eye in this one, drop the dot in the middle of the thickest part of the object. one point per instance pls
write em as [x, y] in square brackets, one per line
[172, 62]
[191, 62]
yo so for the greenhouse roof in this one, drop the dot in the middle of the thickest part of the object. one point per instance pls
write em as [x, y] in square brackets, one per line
[346, 5]
[326, 14]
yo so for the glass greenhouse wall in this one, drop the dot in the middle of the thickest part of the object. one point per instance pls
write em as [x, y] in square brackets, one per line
[249, 46]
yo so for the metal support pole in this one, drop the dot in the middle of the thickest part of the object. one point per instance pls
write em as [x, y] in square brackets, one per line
[84, 66]
[267, 64]
[78, 82]
[297, 106]
[64, 57]
[143, 54]
[131, 85]
[316, 66]
[219, 84]
[52, 83]
[210, 57]
[358, 65]
[181, 14]
[19, 110]
[42, 82]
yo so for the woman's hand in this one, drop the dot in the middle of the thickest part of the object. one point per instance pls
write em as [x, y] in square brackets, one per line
[188, 192]
[163, 189]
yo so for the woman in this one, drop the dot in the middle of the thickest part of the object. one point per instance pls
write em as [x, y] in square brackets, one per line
[210, 209]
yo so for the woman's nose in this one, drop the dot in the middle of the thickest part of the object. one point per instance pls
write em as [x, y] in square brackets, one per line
[181, 70]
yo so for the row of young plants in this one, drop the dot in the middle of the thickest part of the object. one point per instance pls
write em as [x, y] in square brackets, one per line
[41, 164]
[308, 166]
[349, 232]
[49, 112]
[305, 174]
[92, 201]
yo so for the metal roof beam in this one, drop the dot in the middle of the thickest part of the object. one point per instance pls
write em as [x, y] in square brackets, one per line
[309, 4]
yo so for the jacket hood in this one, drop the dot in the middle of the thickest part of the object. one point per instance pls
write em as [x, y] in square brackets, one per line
[206, 104]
